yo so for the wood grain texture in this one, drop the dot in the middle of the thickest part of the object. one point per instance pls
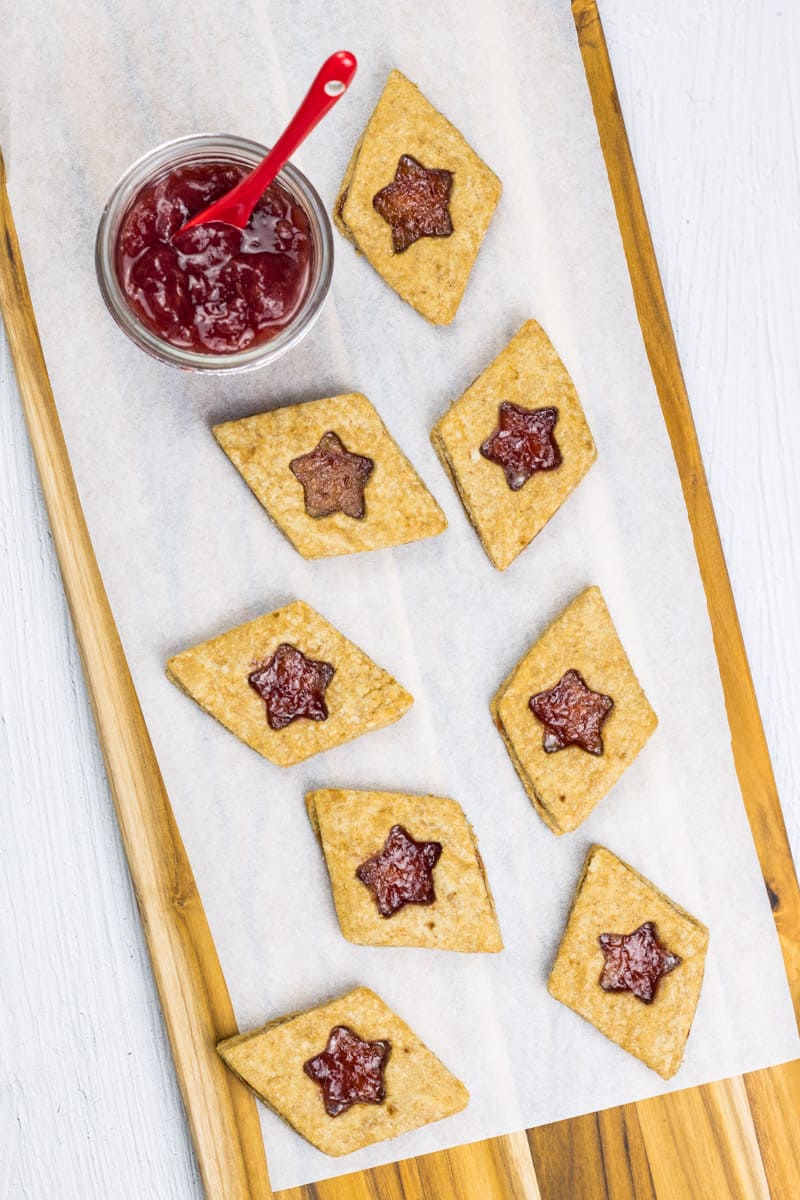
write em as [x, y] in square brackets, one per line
[593, 1157]
[774, 1099]
[703, 1134]
[498, 1169]
[194, 997]
[155, 1160]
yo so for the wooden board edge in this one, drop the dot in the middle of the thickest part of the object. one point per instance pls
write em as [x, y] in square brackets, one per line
[750, 751]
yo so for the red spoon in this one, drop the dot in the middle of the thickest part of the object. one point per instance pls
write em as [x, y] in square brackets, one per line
[234, 208]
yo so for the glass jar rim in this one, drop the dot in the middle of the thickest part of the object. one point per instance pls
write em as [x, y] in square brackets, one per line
[200, 147]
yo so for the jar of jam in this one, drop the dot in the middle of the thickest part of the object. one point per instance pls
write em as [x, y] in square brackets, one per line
[215, 298]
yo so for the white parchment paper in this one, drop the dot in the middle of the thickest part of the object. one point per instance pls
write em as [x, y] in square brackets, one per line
[186, 551]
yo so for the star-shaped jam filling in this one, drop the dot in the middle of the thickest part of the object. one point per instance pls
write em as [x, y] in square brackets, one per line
[402, 872]
[333, 479]
[292, 686]
[523, 443]
[572, 714]
[635, 962]
[415, 203]
[349, 1070]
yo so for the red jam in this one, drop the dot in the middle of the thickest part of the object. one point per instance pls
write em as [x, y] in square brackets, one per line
[523, 443]
[415, 204]
[634, 962]
[349, 1070]
[292, 686]
[572, 714]
[213, 289]
[402, 872]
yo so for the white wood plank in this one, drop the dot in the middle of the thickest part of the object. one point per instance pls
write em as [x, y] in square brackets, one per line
[89, 1105]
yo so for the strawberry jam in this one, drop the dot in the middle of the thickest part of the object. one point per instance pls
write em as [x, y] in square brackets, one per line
[213, 289]
[349, 1070]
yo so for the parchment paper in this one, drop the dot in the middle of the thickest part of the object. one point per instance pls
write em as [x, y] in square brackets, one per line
[186, 551]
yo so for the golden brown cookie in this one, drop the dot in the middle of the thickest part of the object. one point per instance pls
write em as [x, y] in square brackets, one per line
[528, 375]
[417, 1087]
[353, 827]
[612, 898]
[431, 273]
[272, 451]
[224, 676]
[566, 784]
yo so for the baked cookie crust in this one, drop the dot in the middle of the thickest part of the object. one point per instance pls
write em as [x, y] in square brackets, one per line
[361, 696]
[431, 275]
[419, 1088]
[353, 825]
[399, 507]
[613, 898]
[565, 786]
[530, 374]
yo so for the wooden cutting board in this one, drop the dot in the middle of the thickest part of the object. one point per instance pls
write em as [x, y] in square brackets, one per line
[735, 1140]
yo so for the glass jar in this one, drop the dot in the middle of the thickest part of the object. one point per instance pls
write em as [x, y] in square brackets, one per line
[154, 166]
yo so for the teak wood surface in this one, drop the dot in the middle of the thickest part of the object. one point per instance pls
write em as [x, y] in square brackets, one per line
[734, 1140]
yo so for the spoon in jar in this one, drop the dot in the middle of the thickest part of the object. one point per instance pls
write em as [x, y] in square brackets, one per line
[236, 206]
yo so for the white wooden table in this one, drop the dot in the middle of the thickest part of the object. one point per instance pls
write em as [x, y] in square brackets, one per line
[89, 1107]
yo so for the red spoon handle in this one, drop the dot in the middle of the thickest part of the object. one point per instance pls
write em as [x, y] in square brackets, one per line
[332, 81]
[330, 84]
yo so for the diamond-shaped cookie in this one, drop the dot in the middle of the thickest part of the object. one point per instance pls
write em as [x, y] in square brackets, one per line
[354, 826]
[229, 677]
[431, 273]
[612, 898]
[506, 509]
[566, 784]
[272, 1061]
[273, 451]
